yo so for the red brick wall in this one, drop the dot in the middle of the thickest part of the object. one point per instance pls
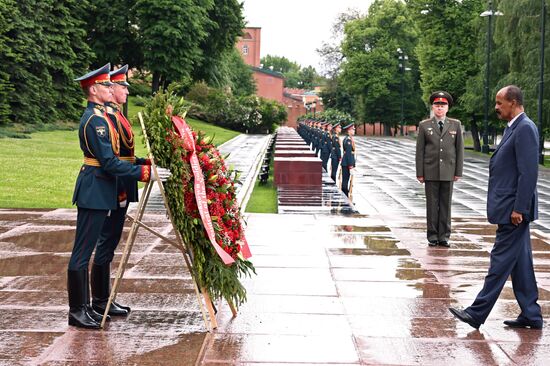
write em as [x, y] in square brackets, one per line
[268, 86]
[295, 109]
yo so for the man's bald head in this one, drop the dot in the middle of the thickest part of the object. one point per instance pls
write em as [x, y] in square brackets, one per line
[509, 102]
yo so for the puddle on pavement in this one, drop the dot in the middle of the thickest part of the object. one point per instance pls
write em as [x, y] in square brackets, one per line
[360, 229]
[410, 274]
[27, 215]
[380, 243]
[44, 241]
[484, 230]
[33, 265]
[360, 251]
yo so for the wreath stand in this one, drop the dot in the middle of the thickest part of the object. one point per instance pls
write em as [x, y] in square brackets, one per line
[178, 243]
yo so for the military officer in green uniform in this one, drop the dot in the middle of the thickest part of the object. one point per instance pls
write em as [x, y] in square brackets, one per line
[336, 150]
[96, 190]
[348, 158]
[439, 161]
[127, 191]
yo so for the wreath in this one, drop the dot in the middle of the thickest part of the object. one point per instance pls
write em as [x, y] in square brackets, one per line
[216, 241]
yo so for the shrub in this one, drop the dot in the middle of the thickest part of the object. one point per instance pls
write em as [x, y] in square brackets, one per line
[139, 88]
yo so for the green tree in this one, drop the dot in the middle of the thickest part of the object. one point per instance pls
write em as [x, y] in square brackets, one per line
[6, 88]
[335, 96]
[290, 69]
[240, 74]
[371, 72]
[67, 56]
[516, 56]
[43, 46]
[171, 33]
[308, 77]
[447, 48]
[279, 64]
[295, 75]
[115, 38]
[225, 23]
[331, 52]
[29, 100]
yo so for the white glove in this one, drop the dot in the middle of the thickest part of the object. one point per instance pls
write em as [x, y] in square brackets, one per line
[163, 174]
[352, 172]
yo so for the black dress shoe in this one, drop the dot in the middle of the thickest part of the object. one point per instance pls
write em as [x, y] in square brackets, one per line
[516, 323]
[114, 309]
[79, 317]
[95, 315]
[463, 316]
[445, 243]
[432, 243]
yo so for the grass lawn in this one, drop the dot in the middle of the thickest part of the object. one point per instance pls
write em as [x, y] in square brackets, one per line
[264, 197]
[40, 172]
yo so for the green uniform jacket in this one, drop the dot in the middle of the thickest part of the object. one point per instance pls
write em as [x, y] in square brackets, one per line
[439, 155]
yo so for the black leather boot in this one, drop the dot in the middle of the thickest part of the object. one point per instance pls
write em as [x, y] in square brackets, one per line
[101, 289]
[91, 312]
[76, 287]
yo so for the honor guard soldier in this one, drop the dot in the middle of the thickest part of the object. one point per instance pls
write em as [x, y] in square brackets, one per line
[348, 158]
[326, 145]
[127, 191]
[336, 150]
[439, 161]
[96, 190]
[317, 142]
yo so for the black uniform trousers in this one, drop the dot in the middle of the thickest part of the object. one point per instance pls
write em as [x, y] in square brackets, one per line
[511, 255]
[345, 180]
[334, 168]
[110, 236]
[438, 209]
[324, 159]
[89, 223]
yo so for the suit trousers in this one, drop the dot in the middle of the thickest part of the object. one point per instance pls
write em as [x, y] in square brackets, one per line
[438, 209]
[345, 180]
[88, 228]
[110, 236]
[511, 255]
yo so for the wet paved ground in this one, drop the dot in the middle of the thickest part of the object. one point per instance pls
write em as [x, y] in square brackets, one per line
[361, 289]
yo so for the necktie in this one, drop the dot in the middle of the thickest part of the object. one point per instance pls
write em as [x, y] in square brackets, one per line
[440, 126]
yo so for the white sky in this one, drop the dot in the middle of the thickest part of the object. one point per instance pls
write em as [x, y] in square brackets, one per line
[296, 28]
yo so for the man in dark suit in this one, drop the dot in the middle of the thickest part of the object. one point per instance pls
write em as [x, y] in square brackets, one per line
[511, 204]
[439, 161]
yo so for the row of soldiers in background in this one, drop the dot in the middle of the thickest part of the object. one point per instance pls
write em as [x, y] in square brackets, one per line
[324, 140]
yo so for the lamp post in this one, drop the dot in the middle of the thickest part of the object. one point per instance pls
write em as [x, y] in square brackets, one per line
[402, 68]
[487, 13]
[313, 105]
[541, 81]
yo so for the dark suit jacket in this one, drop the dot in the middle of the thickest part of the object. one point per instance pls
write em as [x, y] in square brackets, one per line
[513, 172]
